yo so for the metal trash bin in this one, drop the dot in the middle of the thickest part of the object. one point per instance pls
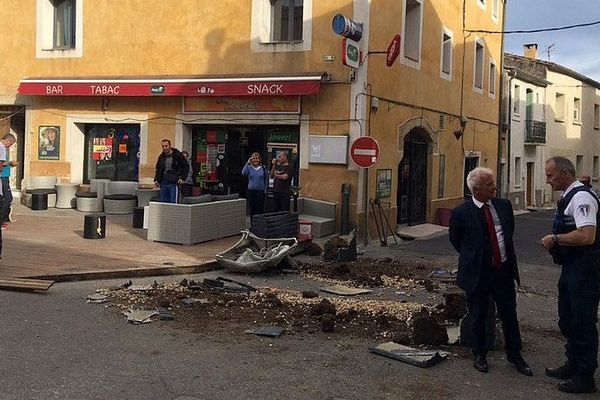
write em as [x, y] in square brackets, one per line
[94, 226]
[138, 217]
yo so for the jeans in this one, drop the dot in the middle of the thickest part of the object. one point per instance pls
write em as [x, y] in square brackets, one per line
[168, 192]
[8, 198]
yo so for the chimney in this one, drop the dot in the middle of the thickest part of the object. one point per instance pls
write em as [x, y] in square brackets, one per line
[530, 50]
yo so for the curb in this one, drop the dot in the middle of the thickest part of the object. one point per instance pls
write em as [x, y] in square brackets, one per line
[130, 273]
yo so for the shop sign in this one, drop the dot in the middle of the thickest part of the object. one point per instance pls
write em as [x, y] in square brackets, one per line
[280, 137]
[270, 104]
[393, 51]
[291, 86]
[350, 53]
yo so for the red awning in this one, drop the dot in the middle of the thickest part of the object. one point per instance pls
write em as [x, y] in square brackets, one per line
[174, 86]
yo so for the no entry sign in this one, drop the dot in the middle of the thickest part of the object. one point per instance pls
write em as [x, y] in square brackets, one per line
[364, 151]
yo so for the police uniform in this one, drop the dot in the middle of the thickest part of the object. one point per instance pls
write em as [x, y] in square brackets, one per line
[579, 283]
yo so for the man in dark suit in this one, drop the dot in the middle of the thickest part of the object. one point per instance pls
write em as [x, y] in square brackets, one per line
[481, 230]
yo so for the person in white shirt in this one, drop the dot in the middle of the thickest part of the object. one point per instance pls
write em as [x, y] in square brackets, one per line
[575, 244]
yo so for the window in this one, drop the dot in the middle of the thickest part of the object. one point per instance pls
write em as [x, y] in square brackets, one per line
[518, 172]
[413, 18]
[577, 110]
[281, 25]
[596, 116]
[59, 29]
[559, 107]
[286, 20]
[492, 78]
[495, 10]
[446, 57]
[596, 171]
[517, 100]
[64, 24]
[579, 165]
[478, 71]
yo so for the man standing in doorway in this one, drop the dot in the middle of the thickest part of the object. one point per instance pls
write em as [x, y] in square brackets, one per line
[481, 230]
[575, 244]
[7, 140]
[171, 171]
[281, 172]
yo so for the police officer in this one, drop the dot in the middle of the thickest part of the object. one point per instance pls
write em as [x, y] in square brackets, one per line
[574, 243]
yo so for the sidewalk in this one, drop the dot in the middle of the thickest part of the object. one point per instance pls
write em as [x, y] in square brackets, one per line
[50, 243]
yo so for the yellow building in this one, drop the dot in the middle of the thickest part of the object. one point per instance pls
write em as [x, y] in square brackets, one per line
[228, 78]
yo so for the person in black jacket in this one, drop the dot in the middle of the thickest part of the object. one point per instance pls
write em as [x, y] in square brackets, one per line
[171, 171]
[481, 230]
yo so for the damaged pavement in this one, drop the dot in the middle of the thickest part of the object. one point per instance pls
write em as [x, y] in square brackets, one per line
[278, 335]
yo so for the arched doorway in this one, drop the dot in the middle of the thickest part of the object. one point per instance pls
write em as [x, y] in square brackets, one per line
[412, 179]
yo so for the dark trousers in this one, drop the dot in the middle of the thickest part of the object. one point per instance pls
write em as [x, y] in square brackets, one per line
[578, 295]
[1, 205]
[8, 198]
[186, 190]
[256, 201]
[281, 202]
[499, 284]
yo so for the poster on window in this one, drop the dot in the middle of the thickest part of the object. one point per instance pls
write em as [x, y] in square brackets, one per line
[49, 142]
[384, 183]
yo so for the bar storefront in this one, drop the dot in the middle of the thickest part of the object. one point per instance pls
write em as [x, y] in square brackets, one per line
[111, 128]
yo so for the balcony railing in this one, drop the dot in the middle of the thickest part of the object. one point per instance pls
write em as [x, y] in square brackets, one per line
[535, 132]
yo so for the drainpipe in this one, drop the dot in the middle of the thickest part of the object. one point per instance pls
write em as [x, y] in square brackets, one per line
[501, 88]
[511, 74]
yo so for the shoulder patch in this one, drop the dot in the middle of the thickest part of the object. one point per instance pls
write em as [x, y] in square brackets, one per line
[584, 209]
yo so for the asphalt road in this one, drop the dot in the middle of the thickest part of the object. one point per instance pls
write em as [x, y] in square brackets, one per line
[56, 346]
[529, 229]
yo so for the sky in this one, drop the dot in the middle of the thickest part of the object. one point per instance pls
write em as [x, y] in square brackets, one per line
[577, 49]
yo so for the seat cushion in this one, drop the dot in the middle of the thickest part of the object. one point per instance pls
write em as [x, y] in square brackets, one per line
[40, 191]
[86, 194]
[121, 196]
[233, 196]
[205, 198]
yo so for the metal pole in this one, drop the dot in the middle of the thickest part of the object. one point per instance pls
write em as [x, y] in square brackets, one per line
[346, 190]
[366, 205]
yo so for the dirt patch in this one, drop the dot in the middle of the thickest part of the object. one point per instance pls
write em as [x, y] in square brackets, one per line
[367, 272]
[209, 311]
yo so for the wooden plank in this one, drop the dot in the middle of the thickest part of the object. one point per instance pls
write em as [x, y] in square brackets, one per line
[24, 284]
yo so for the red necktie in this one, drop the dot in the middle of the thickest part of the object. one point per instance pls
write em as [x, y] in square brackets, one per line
[496, 257]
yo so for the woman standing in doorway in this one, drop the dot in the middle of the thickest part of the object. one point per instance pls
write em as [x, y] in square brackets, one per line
[257, 183]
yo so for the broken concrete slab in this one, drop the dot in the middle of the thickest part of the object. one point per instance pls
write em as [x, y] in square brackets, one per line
[96, 298]
[140, 316]
[140, 288]
[453, 334]
[345, 290]
[268, 330]
[189, 301]
[164, 314]
[410, 355]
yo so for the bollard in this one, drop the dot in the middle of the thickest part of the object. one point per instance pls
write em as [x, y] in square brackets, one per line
[94, 226]
[346, 190]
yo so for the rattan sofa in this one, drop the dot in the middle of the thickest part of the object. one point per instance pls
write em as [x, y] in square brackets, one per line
[195, 223]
